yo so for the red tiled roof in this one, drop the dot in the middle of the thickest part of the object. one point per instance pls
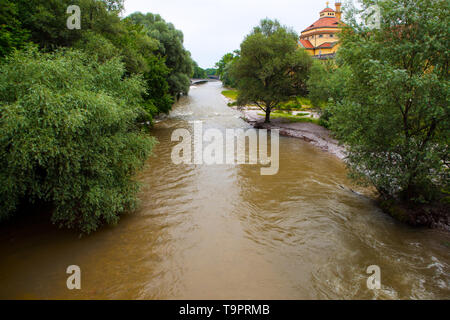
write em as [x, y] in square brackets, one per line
[325, 22]
[327, 45]
[306, 44]
[327, 10]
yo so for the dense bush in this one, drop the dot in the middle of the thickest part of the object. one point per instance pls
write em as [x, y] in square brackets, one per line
[177, 58]
[394, 114]
[69, 136]
[12, 34]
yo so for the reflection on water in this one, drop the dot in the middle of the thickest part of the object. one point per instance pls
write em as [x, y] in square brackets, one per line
[225, 232]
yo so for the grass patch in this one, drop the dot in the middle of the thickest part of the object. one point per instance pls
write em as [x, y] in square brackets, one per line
[289, 112]
[291, 118]
[230, 94]
[297, 103]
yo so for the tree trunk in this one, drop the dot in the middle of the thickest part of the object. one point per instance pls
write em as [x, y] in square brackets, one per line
[268, 110]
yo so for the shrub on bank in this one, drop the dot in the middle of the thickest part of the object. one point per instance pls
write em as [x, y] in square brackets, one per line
[394, 114]
[69, 136]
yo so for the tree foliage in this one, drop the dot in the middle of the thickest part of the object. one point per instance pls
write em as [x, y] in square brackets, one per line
[105, 35]
[68, 136]
[222, 63]
[12, 34]
[271, 68]
[198, 72]
[224, 67]
[178, 59]
[326, 86]
[71, 119]
[211, 71]
[394, 112]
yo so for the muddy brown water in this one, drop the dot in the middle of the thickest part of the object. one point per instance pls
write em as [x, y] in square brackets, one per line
[225, 231]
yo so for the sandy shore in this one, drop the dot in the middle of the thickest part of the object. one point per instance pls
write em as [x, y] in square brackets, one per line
[310, 132]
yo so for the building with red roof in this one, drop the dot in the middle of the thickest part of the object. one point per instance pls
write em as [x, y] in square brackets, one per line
[320, 39]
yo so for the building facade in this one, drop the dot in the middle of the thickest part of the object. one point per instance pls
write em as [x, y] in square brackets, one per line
[321, 38]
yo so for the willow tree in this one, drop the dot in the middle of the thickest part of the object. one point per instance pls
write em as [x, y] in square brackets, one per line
[70, 136]
[271, 68]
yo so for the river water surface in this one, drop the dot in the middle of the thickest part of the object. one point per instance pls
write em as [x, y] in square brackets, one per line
[226, 232]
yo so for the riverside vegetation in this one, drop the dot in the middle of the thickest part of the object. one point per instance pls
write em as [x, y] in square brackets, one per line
[75, 105]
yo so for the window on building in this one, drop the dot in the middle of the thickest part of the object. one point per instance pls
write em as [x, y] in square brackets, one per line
[331, 35]
[321, 36]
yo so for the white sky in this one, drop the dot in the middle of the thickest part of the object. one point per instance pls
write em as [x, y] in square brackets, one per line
[212, 28]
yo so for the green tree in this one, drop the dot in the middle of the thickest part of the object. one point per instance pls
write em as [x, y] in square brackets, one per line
[177, 58]
[104, 35]
[101, 28]
[97, 45]
[157, 98]
[227, 58]
[326, 86]
[224, 67]
[69, 136]
[211, 71]
[115, 5]
[394, 116]
[46, 21]
[199, 73]
[271, 68]
[12, 35]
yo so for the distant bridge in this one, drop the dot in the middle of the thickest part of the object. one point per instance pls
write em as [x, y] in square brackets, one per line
[200, 81]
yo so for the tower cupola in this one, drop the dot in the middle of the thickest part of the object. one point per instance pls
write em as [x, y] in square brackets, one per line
[327, 12]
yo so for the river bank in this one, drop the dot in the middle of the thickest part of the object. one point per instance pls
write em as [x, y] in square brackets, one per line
[433, 216]
[309, 132]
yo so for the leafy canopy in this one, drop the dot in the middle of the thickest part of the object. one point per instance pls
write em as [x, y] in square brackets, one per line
[271, 67]
[69, 136]
[224, 67]
[177, 58]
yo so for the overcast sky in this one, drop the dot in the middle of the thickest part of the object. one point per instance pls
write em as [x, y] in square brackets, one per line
[214, 27]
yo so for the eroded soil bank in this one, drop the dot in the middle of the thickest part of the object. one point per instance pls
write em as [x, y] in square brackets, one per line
[310, 132]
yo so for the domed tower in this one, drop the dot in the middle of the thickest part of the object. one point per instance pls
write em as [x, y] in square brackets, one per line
[321, 38]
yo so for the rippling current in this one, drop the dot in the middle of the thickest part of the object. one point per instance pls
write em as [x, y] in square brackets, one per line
[226, 232]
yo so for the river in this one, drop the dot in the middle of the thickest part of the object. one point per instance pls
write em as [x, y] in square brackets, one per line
[227, 232]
